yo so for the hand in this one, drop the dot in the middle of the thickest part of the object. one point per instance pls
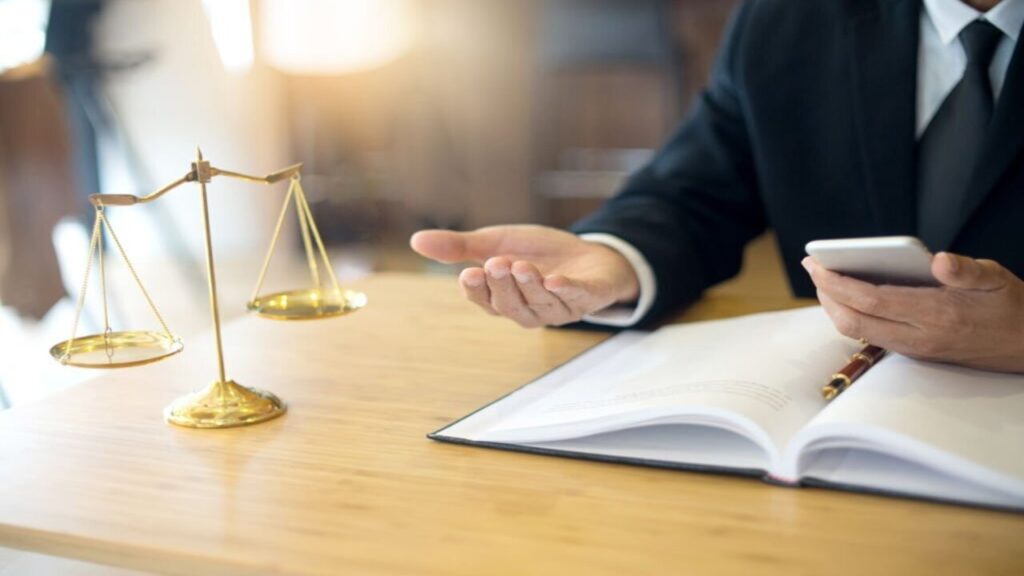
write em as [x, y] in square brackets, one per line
[976, 318]
[533, 274]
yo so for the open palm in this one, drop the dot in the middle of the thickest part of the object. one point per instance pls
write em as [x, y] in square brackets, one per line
[534, 275]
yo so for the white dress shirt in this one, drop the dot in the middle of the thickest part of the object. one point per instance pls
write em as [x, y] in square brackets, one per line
[941, 63]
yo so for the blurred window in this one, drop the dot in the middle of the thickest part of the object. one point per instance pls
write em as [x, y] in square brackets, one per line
[231, 25]
[22, 31]
[599, 32]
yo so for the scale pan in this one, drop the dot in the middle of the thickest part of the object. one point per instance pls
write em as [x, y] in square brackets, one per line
[118, 350]
[307, 304]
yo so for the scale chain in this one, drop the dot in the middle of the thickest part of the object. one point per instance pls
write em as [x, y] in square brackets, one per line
[304, 227]
[103, 290]
[85, 283]
[316, 234]
[135, 276]
[273, 243]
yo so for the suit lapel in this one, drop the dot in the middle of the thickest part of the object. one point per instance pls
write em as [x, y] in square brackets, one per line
[884, 38]
[1005, 140]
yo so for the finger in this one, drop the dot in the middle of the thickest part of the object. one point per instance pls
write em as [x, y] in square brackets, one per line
[891, 302]
[506, 299]
[548, 308]
[448, 247]
[474, 285]
[969, 274]
[582, 297]
[894, 336]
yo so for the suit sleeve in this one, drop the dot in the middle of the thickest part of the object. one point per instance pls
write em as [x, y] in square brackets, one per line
[694, 208]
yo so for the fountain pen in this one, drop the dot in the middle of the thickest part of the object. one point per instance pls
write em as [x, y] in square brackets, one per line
[857, 366]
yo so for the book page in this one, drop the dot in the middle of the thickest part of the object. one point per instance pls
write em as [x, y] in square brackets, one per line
[964, 423]
[688, 445]
[759, 374]
[692, 446]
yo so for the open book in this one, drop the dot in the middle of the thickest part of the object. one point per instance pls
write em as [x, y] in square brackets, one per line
[743, 396]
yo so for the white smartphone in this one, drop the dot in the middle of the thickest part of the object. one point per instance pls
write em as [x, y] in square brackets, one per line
[898, 260]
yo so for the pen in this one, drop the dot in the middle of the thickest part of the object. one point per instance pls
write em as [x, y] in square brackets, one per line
[855, 368]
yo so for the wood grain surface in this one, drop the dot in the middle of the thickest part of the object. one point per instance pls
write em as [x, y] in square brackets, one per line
[346, 482]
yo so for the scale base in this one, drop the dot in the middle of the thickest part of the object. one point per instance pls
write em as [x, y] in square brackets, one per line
[224, 405]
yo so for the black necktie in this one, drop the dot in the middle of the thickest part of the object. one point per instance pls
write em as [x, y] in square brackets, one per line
[949, 149]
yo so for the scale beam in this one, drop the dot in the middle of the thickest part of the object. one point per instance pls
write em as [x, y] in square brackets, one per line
[283, 174]
[200, 172]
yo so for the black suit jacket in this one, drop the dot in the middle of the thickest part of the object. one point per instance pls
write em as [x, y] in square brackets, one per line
[808, 127]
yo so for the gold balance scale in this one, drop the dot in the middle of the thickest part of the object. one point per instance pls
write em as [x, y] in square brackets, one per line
[225, 403]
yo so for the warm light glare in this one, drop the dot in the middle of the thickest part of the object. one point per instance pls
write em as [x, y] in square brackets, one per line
[22, 31]
[231, 25]
[323, 37]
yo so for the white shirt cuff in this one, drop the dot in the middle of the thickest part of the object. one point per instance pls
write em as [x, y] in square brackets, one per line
[623, 316]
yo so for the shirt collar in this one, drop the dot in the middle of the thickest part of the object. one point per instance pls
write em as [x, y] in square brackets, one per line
[950, 17]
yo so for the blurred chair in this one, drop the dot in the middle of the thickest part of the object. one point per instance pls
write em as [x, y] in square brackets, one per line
[609, 89]
[37, 187]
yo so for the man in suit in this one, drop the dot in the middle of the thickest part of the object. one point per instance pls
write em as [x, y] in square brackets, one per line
[831, 119]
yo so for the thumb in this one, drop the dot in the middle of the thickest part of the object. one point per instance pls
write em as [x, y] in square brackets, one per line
[449, 247]
[967, 273]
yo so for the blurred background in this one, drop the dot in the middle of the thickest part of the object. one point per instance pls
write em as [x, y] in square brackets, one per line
[407, 114]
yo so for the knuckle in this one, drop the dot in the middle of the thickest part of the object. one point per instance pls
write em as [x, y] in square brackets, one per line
[577, 311]
[505, 307]
[869, 303]
[527, 323]
[951, 317]
[509, 312]
[542, 307]
[953, 312]
[917, 354]
[823, 299]
[823, 280]
[549, 312]
[552, 315]
[571, 298]
[847, 323]
[926, 348]
[478, 296]
[472, 291]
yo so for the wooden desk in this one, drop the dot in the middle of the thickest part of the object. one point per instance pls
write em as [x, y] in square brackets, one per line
[347, 483]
